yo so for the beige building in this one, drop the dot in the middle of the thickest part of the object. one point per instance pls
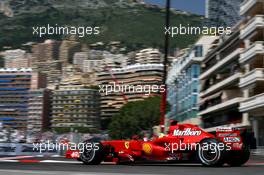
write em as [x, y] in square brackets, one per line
[39, 110]
[129, 76]
[17, 59]
[46, 51]
[232, 89]
[149, 56]
[252, 62]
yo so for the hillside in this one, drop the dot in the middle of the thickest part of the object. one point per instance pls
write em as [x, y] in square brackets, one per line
[128, 21]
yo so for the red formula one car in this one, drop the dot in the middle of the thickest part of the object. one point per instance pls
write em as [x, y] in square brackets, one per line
[184, 142]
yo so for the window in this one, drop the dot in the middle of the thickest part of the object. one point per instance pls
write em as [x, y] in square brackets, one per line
[198, 51]
[195, 71]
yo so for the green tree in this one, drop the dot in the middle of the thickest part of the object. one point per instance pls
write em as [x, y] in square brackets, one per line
[135, 117]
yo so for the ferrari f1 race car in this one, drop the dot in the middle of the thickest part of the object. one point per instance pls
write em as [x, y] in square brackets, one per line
[183, 143]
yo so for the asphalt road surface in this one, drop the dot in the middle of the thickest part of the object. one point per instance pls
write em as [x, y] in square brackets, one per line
[56, 166]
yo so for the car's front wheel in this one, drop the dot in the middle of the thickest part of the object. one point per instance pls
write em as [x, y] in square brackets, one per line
[210, 153]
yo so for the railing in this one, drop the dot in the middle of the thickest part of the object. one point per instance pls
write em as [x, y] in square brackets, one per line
[246, 5]
[253, 23]
[221, 63]
[251, 77]
[248, 53]
[252, 103]
[220, 84]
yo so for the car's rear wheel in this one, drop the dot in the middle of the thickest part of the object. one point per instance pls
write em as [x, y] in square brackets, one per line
[93, 155]
[210, 153]
[238, 158]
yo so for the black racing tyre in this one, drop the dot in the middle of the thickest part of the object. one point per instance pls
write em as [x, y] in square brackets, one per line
[238, 158]
[210, 153]
[94, 155]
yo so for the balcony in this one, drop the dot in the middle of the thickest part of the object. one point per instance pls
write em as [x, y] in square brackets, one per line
[252, 25]
[224, 105]
[248, 5]
[221, 63]
[255, 49]
[252, 103]
[252, 77]
[221, 84]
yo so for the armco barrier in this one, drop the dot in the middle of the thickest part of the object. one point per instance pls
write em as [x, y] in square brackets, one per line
[14, 149]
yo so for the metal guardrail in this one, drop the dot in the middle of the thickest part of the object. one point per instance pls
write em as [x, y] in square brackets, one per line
[14, 149]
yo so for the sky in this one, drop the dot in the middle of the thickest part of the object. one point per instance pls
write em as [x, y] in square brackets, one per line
[193, 6]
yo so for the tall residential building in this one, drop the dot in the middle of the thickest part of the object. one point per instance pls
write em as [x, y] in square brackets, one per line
[17, 59]
[15, 86]
[52, 69]
[149, 56]
[39, 110]
[75, 106]
[47, 51]
[252, 62]
[183, 82]
[45, 59]
[220, 94]
[224, 13]
[67, 50]
[130, 76]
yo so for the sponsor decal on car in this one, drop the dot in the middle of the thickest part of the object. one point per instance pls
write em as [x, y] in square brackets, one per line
[187, 132]
[231, 139]
[147, 148]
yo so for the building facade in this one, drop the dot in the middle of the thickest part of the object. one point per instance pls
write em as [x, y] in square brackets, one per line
[149, 56]
[224, 13]
[252, 62]
[17, 59]
[15, 86]
[74, 107]
[39, 110]
[129, 76]
[220, 94]
[183, 82]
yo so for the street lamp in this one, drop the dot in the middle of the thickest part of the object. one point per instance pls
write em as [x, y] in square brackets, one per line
[165, 63]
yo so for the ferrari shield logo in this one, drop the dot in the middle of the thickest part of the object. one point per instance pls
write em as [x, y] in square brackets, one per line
[127, 145]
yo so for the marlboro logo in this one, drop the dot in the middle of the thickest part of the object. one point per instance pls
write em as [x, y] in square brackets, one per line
[187, 132]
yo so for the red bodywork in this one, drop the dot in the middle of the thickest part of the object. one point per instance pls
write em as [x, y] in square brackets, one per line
[180, 143]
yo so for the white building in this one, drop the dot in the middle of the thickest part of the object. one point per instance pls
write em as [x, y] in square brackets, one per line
[149, 56]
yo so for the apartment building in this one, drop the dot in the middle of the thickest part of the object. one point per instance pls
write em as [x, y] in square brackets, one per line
[75, 106]
[17, 59]
[45, 59]
[183, 82]
[15, 86]
[79, 58]
[220, 94]
[39, 110]
[132, 75]
[252, 62]
[46, 51]
[67, 50]
[149, 56]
